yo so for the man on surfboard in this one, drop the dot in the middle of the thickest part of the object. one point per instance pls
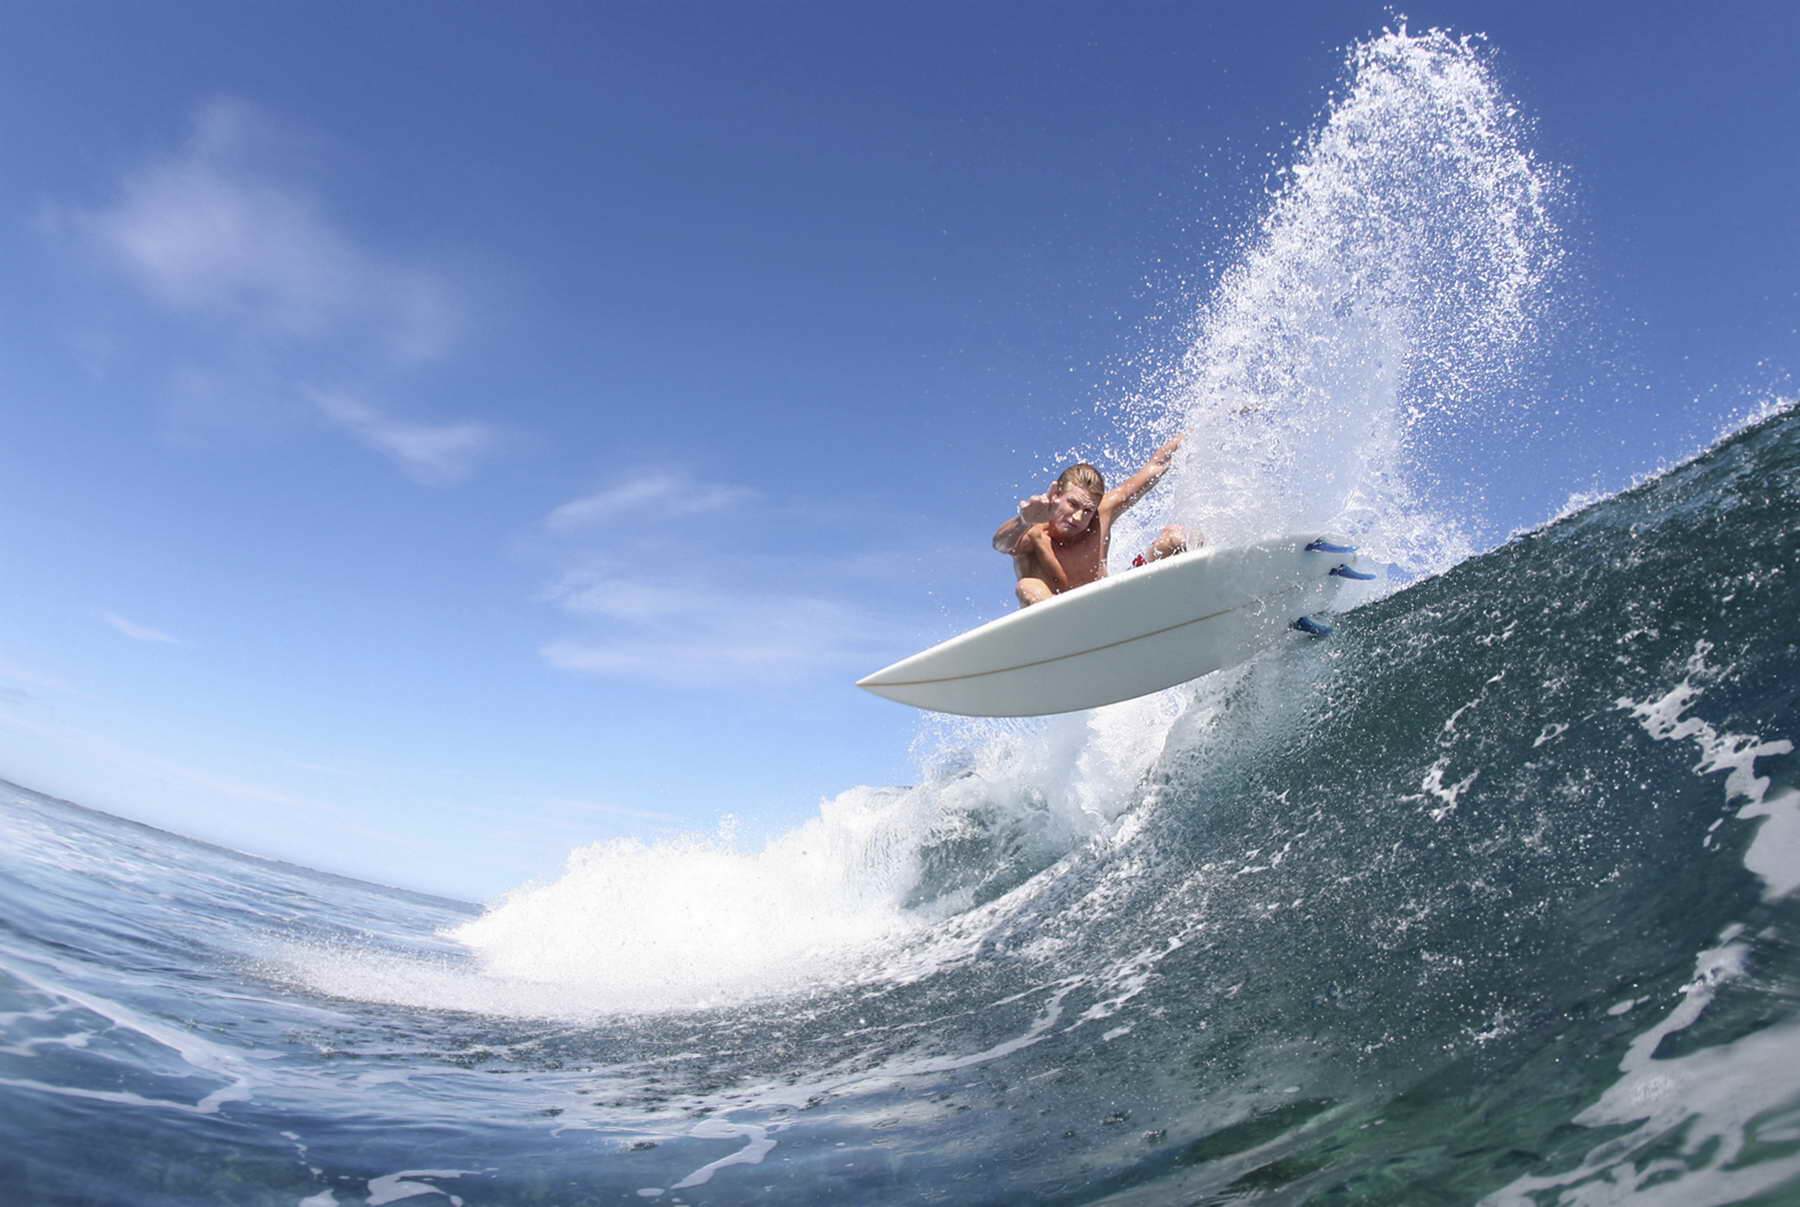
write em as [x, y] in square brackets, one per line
[1059, 540]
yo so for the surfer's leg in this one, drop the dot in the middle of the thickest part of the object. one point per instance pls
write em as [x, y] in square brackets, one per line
[1032, 590]
[1171, 540]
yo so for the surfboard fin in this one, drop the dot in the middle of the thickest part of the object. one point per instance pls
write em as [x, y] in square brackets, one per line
[1345, 571]
[1307, 624]
[1324, 546]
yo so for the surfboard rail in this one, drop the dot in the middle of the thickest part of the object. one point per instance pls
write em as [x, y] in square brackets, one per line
[1126, 635]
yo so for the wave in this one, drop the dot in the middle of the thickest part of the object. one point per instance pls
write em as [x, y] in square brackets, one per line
[1493, 894]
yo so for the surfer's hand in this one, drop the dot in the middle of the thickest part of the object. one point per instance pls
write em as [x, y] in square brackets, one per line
[1034, 510]
[1161, 456]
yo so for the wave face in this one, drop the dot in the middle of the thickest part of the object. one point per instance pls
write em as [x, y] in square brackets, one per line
[1492, 896]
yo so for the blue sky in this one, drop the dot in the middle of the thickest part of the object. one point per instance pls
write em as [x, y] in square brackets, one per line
[437, 436]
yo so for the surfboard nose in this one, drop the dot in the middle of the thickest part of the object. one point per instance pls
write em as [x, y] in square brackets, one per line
[875, 680]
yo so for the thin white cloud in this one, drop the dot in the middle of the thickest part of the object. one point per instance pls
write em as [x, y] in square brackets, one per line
[577, 811]
[106, 755]
[30, 678]
[666, 493]
[137, 632]
[214, 228]
[690, 631]
[584, 593]
[436, 454]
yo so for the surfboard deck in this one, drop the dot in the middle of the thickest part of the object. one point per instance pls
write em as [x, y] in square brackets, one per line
[1127, 635]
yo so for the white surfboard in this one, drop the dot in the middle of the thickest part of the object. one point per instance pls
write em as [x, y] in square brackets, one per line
[1127, 635]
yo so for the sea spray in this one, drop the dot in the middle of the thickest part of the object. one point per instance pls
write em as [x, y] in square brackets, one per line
[700, 920]
[697, 921]
[1385, 295]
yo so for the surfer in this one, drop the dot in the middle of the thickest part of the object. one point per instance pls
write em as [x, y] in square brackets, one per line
[1059, 539]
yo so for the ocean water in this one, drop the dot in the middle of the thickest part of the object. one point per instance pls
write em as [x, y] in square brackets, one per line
[1490, 897]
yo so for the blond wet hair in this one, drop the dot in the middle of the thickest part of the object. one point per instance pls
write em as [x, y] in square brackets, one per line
[1084, 476]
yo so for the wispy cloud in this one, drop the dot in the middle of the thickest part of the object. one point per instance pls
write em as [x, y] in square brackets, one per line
[665, 492]
[137, 632]
[622, 597]
[220, 226]
[566, 810]
[138, 768]
[436, 454]
[30, 678]
[694, 628]
[645, 608]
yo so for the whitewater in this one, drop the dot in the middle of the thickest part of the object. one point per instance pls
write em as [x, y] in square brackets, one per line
[1490, 897]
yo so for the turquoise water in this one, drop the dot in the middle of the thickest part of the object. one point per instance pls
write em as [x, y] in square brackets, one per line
[1490, 896]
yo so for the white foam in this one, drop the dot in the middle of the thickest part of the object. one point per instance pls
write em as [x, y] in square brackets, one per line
[1700, 1111]
[392, 1187]
[757, 1146]
[697, 921]
[1711, 1104]
[1774, 854]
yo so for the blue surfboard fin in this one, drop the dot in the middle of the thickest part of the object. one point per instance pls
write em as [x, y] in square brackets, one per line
[1346, 572]
[1307, 624]
[1324, 546]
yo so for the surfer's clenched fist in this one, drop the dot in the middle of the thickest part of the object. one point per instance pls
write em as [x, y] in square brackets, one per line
[1059, 539]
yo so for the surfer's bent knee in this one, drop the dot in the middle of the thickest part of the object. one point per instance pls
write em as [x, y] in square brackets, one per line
[1031, 590]
[1171, 540]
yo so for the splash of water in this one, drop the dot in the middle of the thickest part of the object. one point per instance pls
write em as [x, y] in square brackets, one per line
[1400, 267]
[697, 921]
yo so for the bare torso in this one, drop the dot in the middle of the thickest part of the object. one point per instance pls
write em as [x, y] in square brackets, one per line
[1053, 553]
[1083, 559]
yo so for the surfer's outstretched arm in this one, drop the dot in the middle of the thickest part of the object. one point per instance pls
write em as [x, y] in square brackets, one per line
[1133, 488]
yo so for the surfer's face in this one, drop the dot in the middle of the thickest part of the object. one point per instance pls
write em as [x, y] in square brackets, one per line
[1071, 512]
